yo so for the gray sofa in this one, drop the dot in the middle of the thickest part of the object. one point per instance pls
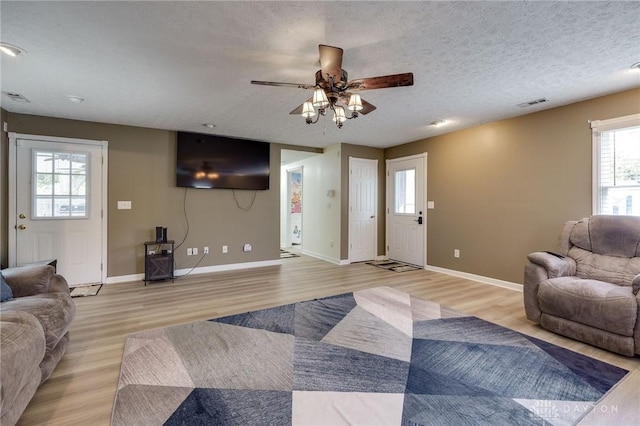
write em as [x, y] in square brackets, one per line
[34, 334]
[590, 292]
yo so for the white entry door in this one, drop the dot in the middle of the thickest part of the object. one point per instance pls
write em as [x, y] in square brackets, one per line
[56, 196]
[406, 221]
[363, 222]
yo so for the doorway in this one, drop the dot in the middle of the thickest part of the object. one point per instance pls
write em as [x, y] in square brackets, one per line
[294, 208]
[57, 205]
[406, 221]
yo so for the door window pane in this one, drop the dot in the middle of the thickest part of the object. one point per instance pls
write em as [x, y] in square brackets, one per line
[405, 189]
[61, 184]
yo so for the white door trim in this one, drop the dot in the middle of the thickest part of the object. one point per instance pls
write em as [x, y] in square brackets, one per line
[423, 208]
[13, 184]
[351, 199]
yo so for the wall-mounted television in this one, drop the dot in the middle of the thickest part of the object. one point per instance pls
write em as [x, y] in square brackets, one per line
[212, 161]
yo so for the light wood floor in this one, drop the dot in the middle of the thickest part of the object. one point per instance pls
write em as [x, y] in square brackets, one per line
[82, 387]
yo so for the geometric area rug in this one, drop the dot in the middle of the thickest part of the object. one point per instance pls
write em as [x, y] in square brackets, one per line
[373, 357]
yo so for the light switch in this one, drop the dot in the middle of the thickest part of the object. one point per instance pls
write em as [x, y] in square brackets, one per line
[124, 205]
[431, 204]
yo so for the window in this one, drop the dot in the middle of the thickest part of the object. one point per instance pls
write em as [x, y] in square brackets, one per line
[60, 189]
[405, 202]
[616, 162]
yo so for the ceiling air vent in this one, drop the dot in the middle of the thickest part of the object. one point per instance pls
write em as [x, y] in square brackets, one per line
[531, 103]
[16, 97]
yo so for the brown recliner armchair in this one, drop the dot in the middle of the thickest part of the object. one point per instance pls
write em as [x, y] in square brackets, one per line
[34, 334]
[589, 289]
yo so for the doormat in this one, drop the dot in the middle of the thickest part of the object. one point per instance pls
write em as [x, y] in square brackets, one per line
[394, 265]
[286, 254]
[85, 290]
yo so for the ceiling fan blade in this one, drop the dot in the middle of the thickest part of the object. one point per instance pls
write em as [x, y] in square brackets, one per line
[274, 83]
[331, 62]
[298, 110]
[366, 107]
[395, 80]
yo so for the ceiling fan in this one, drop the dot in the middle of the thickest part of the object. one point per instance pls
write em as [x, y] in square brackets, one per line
[333, 87]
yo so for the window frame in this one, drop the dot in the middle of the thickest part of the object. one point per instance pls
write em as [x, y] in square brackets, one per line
[35, 196]
[597, 127]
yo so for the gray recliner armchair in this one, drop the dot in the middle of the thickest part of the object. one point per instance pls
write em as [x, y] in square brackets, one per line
[589, 289]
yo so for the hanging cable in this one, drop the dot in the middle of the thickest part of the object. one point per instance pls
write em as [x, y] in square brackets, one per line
[186, 218]
[192, 269]
[253, 199]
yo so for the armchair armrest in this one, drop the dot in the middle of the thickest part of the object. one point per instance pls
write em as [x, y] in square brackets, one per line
[635, 284]
[542, 266]
[554, 265]
[34, 279]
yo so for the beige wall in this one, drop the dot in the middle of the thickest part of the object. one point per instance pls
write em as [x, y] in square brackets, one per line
[142, 170]
[504, 189]
[501, 190]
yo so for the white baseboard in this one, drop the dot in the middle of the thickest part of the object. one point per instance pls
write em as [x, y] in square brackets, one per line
[325, 258]
[124, 279]
[479, 278]
[201, 270]
[230, 267]
[235, 266]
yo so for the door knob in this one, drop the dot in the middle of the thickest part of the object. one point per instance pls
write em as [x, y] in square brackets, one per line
[21, 227]
[22, 216]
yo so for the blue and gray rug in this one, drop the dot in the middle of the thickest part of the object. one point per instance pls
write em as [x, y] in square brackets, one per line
[373, 357]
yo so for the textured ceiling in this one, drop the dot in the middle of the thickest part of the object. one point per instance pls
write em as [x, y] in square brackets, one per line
[176, 65]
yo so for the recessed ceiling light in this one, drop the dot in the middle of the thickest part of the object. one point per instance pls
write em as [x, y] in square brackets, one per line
[11, 50]
[209, 125]
[439, 123]
[75, 99]
[635, 66]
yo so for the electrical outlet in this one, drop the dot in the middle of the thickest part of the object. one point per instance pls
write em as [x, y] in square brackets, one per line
[195, 251]
[225, 249]
[189, 252]
[456, 253]
[246, 247]
[206, 250]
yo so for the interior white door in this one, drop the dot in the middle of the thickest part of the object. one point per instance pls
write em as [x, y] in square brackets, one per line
[363, 222]
[406, 222]
[58, 207]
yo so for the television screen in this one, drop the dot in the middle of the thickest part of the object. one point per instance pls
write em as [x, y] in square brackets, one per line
[212, 161]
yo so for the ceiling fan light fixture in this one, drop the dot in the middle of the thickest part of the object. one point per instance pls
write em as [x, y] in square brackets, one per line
[320, 98]
[307, 110]
[355, 103]
[339, 115]
[333, 87]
